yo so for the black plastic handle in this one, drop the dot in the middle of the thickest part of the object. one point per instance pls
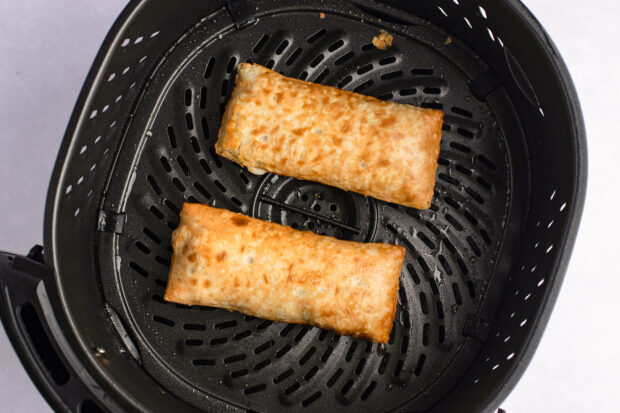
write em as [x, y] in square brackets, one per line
[33, 329]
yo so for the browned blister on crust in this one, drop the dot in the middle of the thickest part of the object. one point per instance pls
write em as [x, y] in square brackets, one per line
[228, 260]
[309, 131]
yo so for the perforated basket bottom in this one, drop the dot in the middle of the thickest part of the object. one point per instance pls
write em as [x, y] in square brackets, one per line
[199, 352]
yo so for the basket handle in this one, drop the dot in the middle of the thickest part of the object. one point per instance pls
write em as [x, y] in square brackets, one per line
[34, 332]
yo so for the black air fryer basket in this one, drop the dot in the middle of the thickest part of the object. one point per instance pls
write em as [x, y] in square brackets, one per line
[484, 264]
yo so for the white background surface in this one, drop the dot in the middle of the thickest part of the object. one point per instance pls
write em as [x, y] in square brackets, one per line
[46, 49]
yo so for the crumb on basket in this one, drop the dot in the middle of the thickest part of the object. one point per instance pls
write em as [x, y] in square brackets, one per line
[383, 41]
[448, 40]
[322, 15]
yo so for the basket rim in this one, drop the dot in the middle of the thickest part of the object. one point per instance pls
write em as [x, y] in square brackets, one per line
[567, 242]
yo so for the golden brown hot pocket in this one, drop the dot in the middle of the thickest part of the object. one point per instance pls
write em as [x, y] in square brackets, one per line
[228, 260]
[309, 131]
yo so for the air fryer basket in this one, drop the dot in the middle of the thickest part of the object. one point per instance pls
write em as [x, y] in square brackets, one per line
[483, 267]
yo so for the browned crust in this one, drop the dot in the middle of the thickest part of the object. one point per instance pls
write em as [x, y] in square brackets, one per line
[227, 260]
[358, 143]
